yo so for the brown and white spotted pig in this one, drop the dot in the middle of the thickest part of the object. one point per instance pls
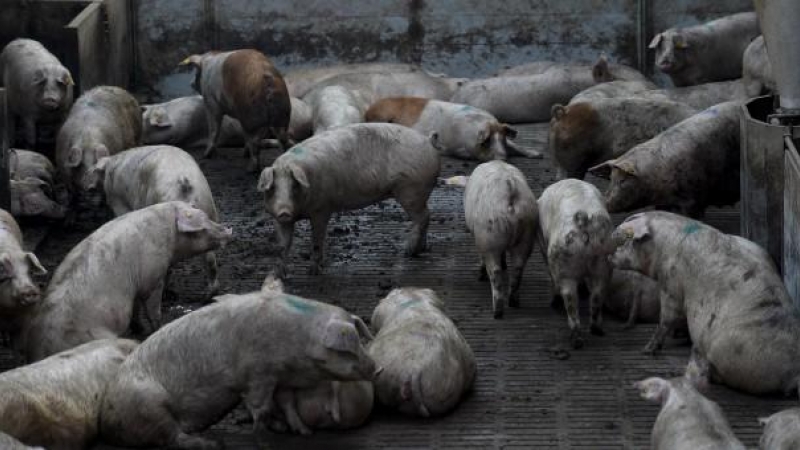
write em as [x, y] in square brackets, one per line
[245, 85]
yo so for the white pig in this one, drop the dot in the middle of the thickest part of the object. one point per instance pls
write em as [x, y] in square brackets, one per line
[18, 292]
[634, 297]
[301, 81]
[781, 430]
[35, 190]
[574, 234]
[757, 69]
[502, 215]
[335, 106]
[427, 364]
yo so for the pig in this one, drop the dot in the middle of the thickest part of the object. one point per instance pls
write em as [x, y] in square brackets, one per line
[781, 430]
[501, 213]
[635, 297]
[55, 402]
[301, 81]
[602, 72]
[315, 179]
[18, 292]
[104, 121]
[330, 405]
[588, 133]
[193, 371]
[687, 418]
[743, 325]
[143, 176]
[462, 131]
[335, 106]
[245, 85]
[427, 364]
[35, 190]
[614, 89]
[707, 52]
[757, 69]
[376, 86]
[699, 97]
[119, 267]
[574, 235]
[691, 165]
[9, 443]
[529, 98]
[301, 124]
[38, 87]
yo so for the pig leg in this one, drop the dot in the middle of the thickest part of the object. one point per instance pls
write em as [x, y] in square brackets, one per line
[518, 257]
[513, 148]
[253, 150]
[597, 290]
[498, 277]
[286, 401]
[671, 317]
[29, 130]
[634, 313]
[214, 131]
[415, 203]
[259, 401]
[285, 233]
[569, 292]
[482, 275]
[319, 226]
[152, 308]
[211, 273]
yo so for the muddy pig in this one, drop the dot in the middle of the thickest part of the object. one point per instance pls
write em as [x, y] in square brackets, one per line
[757, 69]
[585, 134]
[614, 89]
[245, 85]
[35, 190]
[707, 52]
[38, 86]
[315, 179]
[462, 131]
[502, 215]
[9, 443]
[635, 297]
[427, 364]
[687, 420]
[55, 402]
[191, 373]
[119, 267]
[781, 430]
[144, 176]
[335, 106]
[18, 292]
[301, 81]
[574, 235]
[104, 121]
[744, 328]
[688, 167]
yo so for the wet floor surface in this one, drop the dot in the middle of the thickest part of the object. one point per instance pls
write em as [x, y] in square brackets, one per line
[532, 390]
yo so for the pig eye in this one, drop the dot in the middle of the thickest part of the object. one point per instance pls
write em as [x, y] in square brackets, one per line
[39, 81]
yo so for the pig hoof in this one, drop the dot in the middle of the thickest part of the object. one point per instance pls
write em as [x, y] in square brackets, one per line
[597, 330]
[576, 340]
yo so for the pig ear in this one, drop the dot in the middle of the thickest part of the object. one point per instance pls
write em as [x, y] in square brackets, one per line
[67, 79]
[511, 133]
[363, 329]
[74, 157]
[265, 180]
[188, 220]
[602, 170]
[341, 337]
[600, 70]
[636, 229]
[656, 41]
[653, 389]
[558, 111]
[34, 262]
[299, 174]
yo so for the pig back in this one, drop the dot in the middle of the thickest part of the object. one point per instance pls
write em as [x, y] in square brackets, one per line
[9, 229]
[108, 111]
[255, 91]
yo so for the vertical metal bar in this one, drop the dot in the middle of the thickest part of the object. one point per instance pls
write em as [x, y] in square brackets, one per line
[5, 139]
[642, 35]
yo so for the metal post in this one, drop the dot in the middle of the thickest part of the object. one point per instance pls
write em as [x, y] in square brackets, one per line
[5, 139]
[642, 37]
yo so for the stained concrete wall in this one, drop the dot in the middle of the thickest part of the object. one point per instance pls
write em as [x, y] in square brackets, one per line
[458, 37]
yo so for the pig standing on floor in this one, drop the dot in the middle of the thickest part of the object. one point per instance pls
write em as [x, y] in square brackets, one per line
[501, 213]
[104, 121]
[245, 85]
[585, 134]
[687, 419]
[635, 297]
[316, 178]
[707, 52]
[427, 364]
[144, 176]
[55, 402]
[38, 87]
[575, 231]
[191, 373]
[34, 190]
[18, 293]
[119, 267]
[335, 106]
[781, 430]
[461, 131]
[688, 167]
[300, 82]
[744, 327]
[529, 98]
[757, 69]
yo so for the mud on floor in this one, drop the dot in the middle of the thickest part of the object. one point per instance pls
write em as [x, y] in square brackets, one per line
[526, 395]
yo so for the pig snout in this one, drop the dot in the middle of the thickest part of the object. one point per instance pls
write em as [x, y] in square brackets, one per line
[28, 295]
[50, 103]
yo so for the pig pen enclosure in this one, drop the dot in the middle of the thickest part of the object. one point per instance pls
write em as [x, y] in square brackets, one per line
[532, 390]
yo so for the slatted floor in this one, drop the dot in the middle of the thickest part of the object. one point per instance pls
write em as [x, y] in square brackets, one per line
[524, 397]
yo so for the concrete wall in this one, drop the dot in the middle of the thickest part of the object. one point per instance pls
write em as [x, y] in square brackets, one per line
[458, 37]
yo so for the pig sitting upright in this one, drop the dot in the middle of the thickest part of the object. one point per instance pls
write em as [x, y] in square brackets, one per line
[317, 178]
[55, 402]
[688, 167]
[781, 430]
[501, 213]
[18, 293]
[687, 419]
[119, 267]
[427, 364]
[34, 189]
[462, 131]
[574, 235]
[587, 133]
[38, 86]
[144, 176]
[742, 322]
[189, 374]
[242, 84]
[104, 121]
[757, 69]
[707, 52]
